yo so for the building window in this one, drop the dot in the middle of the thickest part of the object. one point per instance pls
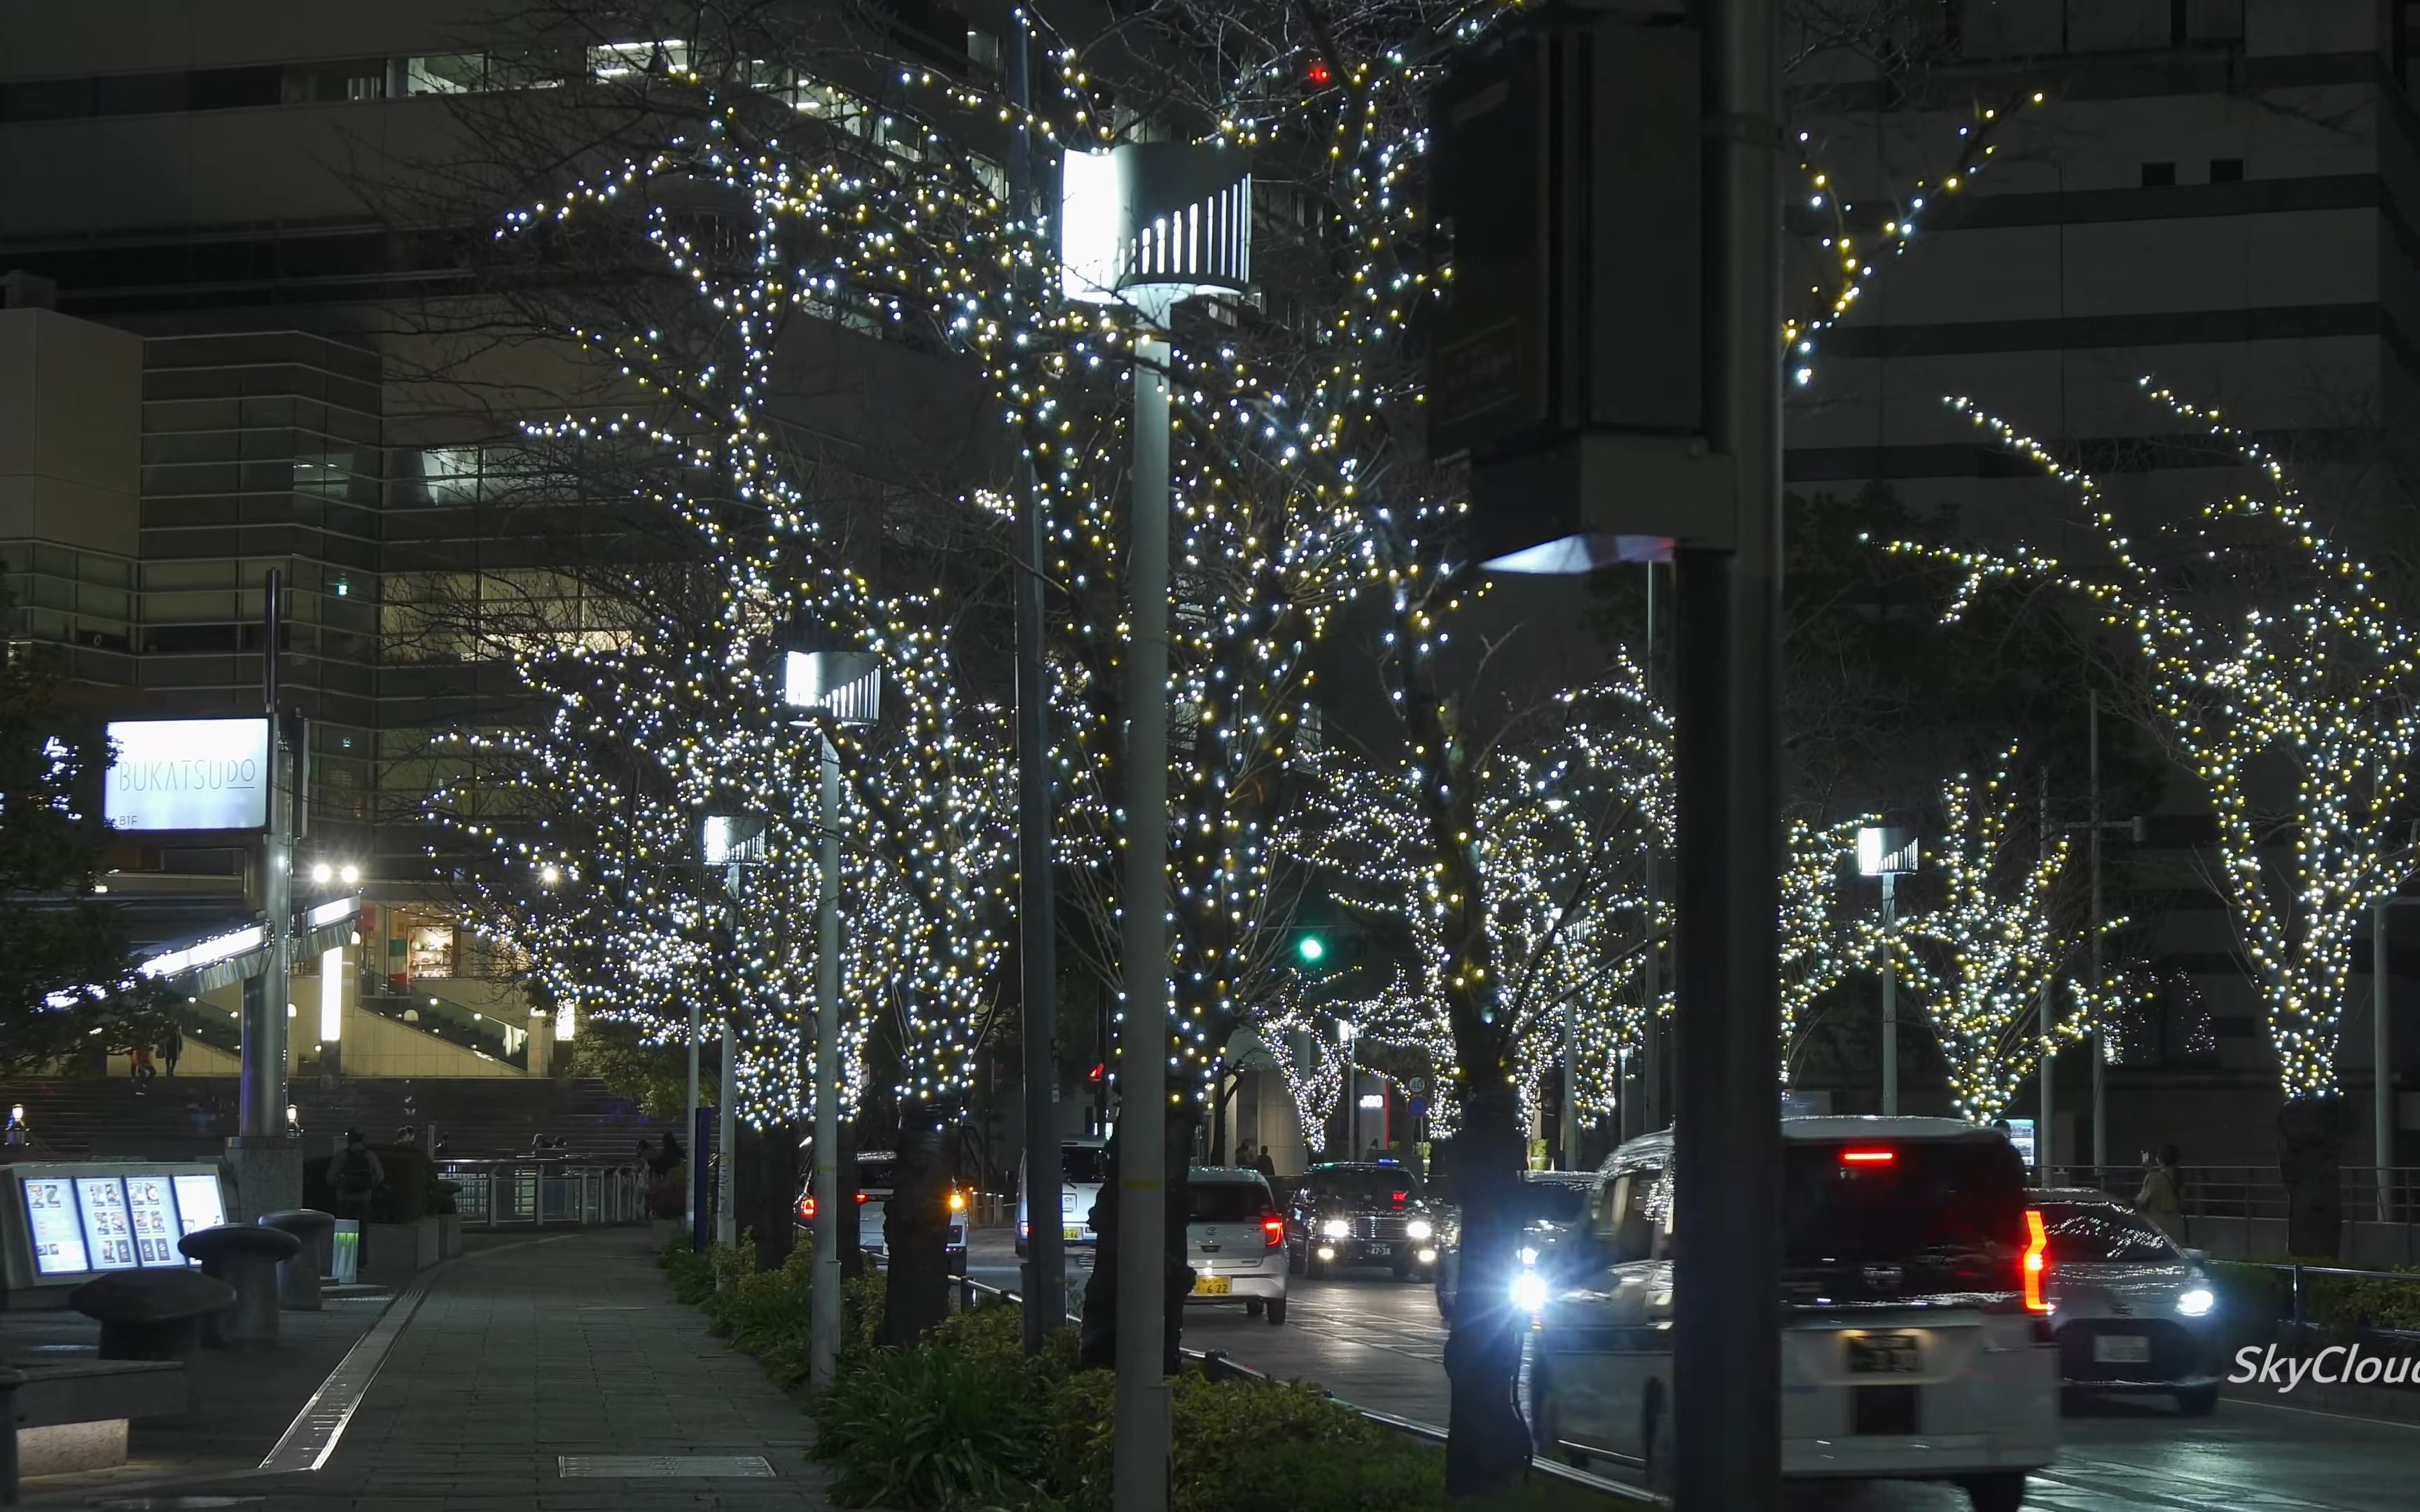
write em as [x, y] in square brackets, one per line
[453, 74]
[2159, 175]
[2226, 170]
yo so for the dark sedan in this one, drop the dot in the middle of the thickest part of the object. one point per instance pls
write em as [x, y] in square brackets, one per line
[1361, 1213]
[1554, 1207]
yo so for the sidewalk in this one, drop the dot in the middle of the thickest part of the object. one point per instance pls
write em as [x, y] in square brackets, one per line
[530, 1352]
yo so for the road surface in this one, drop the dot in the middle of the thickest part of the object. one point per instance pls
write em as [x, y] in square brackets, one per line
[1379, 1344]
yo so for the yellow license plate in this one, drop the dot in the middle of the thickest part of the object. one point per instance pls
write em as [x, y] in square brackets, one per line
[1210, 1286]
[1073, 1233]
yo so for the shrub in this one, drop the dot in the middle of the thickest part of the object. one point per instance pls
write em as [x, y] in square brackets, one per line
[931, 1429]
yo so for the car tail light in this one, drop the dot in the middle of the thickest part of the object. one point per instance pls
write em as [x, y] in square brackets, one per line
[806, 1210]
[1868, 1157]
[1399, 1197]
[2037, 1262]
[861, 1200]
[1272, 1231]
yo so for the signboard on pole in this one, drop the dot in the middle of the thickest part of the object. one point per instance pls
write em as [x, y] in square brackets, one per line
[188, 775]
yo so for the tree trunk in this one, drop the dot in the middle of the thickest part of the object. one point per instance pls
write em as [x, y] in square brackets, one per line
[847, 1232]
[916, 1229]
[2310, 1160]
[766, 1186]
[1098, 1340]
[1487, 1445]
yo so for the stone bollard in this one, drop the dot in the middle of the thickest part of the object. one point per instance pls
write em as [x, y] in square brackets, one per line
[298, 1279]
[151, 1315]
[245, 1256]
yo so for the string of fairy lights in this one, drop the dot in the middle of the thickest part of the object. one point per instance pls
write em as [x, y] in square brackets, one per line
[2278, 670]
[1817, 953]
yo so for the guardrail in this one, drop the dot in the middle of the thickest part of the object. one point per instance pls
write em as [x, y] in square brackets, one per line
[2251, 1193]
[2298, 1311]
[496, 1192]
[1216, 1363]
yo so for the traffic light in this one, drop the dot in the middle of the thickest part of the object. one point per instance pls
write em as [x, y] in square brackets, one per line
[1311, 950]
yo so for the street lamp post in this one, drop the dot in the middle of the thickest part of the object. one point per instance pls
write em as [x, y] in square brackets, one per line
[836, 687]
[730, 842]
[1887, 853]
[1146, 225]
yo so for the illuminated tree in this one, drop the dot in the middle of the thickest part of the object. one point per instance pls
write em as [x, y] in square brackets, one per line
[2276, 669]
[1819, 943]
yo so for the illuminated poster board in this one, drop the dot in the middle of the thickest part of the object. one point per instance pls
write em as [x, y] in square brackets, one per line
[188, 774]
[51, 1224]
[108, 1236]
[197, 1203]
[152, 1212]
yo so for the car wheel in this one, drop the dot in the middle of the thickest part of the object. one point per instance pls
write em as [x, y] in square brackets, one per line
[1995, 1493]
[1251, 1307]
[1295, 1259]
[1276, 1311]
[1313, 1266]
[2198, 1401]
[1402, 1269]
[1545, 1424]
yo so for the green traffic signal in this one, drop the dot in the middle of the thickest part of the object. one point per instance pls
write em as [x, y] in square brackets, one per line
[1310, 948]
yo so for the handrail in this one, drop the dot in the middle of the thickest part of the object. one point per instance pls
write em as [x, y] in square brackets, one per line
[1216, 1363]
[2295, 1273]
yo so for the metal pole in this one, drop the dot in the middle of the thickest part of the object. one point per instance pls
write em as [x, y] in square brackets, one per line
[1651, 1032]
[2043, 1125]
[262, 1093]
[2099, 1037]
[689, 1127]
[1139, 1467]
[1727, 1379]
[2381, 1096]
[1570, 1128]
[726, 1142]
[1037, 940]
[823, 1303]
[1890, 993]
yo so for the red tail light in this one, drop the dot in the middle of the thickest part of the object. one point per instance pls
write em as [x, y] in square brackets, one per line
[1399, 1197]
[1868, 1157]
[1272, 1231]
[807, 1209]
[2037, 1263]
[861, 1200]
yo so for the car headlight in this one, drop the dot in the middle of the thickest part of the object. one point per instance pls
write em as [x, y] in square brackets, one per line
[1418, 1229]
[1335, 1228]
[1528, 1291]
[1528, 1254]
[2196, 1302]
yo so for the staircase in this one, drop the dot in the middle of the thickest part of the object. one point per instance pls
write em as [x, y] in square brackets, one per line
[186, 1118]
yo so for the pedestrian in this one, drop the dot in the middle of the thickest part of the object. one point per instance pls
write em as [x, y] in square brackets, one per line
[2161, 1198]
[172, 1048]
[646, 1156]
[138, 1064]
[355, 1175]
[1267, 1167]
[1243, 1153]
[669, 1158]
[407, 1137]
[1373, 1156]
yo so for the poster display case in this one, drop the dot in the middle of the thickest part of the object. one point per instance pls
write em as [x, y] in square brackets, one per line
[63, 1222]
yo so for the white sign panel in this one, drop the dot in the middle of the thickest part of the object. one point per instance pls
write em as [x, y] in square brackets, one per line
[189, 774]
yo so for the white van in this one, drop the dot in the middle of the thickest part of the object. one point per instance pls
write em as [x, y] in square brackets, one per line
[1235, 1241]
[1915, 1341]
[1081, 1160]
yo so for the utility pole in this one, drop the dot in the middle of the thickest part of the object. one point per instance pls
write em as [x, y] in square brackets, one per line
[267, 1158]
[2100, 1016]
[823, 1303]
[1726, 1382]
[1890, 993]
[1046, 1260]
[1570, 1128]
[691, 1126]
[726, 1219]
[2049, 1014]
[1651, 1028]
[1139, 1454]
[2381, 1093]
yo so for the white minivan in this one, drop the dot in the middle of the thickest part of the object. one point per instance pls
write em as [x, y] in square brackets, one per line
[1236, 1241]
[1915, 1341]
[1083, 1159]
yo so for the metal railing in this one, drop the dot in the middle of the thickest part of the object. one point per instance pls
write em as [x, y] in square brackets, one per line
[500, 1193]
[1216, 1363]
[2254, 1193]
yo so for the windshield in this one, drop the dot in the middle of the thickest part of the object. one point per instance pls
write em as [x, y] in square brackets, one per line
[1368, 1184]
[2103, 1231]
[1226, 1202]
[1959, 1205]
[1084, 1164]
[877, 1175]
[1557, 1202]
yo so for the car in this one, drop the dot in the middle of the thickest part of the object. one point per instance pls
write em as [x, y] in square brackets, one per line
[1234, 1240]
[877, 1172]
[1914, 1312]
[1082, 1162]
[2130, 1311]
[1554, 1204]
[1360, 1213]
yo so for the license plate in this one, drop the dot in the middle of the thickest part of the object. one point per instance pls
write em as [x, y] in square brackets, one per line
[1885, 1354]
[1073, 1232]
[2121, 1349]
[1379, 1252]
[1211, 1286]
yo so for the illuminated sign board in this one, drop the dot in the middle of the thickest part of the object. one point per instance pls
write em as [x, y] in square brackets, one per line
[152, 1212]
[108, 1237]
[189, 775]
[198, 1204]
[51, 1224]
[82, 1219]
